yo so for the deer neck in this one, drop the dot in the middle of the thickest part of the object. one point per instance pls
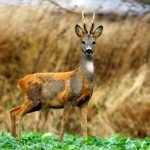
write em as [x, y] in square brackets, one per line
[87, 67]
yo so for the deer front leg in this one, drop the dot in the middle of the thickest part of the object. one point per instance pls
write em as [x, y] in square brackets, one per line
[83, 117]
[64, 120]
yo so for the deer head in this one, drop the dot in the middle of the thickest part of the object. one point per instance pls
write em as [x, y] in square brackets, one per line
[88, 39]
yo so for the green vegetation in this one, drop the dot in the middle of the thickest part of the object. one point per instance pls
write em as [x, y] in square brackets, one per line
[47, 141]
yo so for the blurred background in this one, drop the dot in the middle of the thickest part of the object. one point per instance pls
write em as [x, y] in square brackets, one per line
[38, 36]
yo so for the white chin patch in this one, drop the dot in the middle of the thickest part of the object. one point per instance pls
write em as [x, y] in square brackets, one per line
[89, 66]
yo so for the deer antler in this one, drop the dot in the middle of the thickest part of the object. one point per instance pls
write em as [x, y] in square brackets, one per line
[92, 26]
[84, 25]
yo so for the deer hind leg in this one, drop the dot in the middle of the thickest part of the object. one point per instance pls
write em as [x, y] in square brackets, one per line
[83, 112]
[16, 116]
[64, 120]
[13, 120]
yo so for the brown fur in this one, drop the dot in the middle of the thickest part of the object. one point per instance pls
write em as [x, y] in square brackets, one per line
[50, 90]
[46, 88]
[60, 90]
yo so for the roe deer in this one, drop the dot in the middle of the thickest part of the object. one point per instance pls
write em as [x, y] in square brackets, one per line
[63, 89]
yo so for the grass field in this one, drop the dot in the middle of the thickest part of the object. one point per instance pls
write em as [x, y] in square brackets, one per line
[48, 141]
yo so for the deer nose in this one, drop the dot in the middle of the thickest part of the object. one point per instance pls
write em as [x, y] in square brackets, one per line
[89, 51]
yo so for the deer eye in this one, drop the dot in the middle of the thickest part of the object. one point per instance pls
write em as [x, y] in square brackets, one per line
[83, 42]
[93, 42]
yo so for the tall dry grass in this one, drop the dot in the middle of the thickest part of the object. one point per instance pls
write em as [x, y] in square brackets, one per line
[42, 38]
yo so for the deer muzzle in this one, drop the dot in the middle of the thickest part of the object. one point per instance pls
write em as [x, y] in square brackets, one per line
[89, 52]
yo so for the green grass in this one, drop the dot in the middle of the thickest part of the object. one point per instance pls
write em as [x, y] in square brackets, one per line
[47, 141]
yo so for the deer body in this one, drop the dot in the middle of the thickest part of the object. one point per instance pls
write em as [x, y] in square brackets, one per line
[60, 90]
[53, 90]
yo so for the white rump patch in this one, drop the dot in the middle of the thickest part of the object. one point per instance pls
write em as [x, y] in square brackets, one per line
[89, 66]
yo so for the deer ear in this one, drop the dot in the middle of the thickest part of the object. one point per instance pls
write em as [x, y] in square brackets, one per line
[79, 31]
[98, 31]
